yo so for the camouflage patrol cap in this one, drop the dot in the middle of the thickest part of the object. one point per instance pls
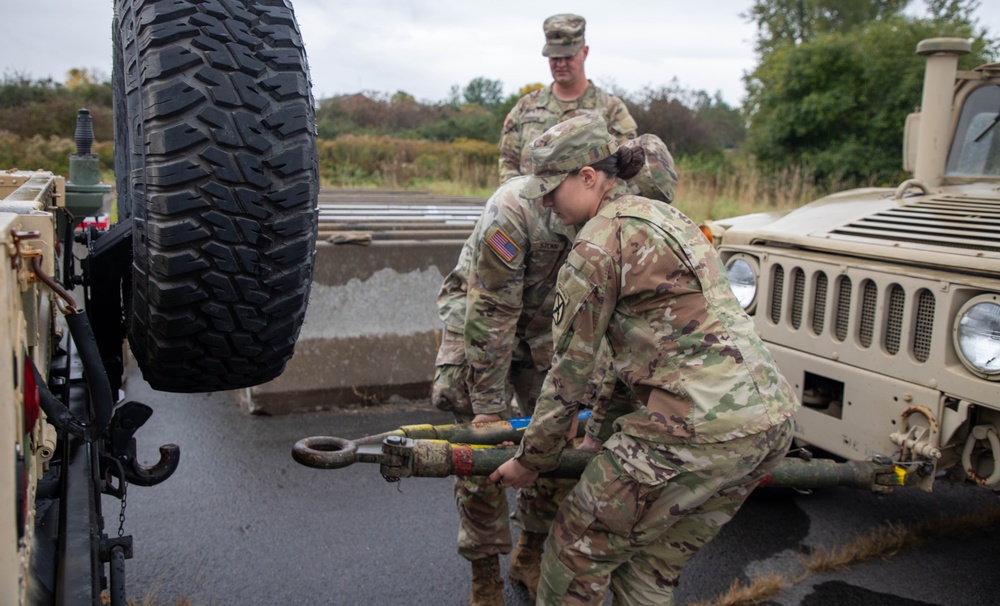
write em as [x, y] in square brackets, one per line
[658, 177]
[563, 35]
[564, 148]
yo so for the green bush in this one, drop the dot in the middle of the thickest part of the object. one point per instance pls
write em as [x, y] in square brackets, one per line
[382, 161]
[46, 108]
[47, 153]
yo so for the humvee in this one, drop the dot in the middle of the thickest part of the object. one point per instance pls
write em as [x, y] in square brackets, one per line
[205, 275]
[882, 306]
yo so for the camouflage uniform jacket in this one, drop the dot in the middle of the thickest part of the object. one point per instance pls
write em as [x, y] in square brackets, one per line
[500, 294]
[540, 109]
[642, 276]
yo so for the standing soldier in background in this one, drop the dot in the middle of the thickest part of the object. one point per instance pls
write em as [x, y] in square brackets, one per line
[496, 306]
[570, 94]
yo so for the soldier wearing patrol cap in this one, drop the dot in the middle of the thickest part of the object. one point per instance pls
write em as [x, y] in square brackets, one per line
[570, 94]
[715, 410]
[496, 306]
[657, 179]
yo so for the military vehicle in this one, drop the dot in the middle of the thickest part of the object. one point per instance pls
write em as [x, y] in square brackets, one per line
[882, 306]
[203, 279]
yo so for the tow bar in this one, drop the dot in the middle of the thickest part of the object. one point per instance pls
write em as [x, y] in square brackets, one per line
[477, 449]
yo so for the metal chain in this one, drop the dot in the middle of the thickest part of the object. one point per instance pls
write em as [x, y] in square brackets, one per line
[121, 515]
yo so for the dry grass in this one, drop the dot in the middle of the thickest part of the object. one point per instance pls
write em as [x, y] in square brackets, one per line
[759, 590]
[882, 542]
[885, 542]
[359, 161]
[742, 188]
[464, 167]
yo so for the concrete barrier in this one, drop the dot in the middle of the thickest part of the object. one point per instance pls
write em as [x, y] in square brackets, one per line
[371, 329]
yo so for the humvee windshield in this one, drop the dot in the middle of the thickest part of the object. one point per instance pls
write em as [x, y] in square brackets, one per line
[975, 152]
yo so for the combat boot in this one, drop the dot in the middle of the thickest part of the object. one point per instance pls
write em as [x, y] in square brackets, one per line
[487, 586]
[526, 561]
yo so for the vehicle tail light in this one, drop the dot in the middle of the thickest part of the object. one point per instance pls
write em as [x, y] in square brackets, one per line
[31, 397]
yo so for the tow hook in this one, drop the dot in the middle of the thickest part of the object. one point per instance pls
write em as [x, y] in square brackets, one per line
[128, 418]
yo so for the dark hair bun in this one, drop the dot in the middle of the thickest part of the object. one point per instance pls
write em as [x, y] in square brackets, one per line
[630, 161]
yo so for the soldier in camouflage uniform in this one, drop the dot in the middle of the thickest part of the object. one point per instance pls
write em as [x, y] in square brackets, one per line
[496, 306]
[642, 279]
[497, 309]
[570, 94]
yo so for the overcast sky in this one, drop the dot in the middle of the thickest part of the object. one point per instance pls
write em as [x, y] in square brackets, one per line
[424, 47]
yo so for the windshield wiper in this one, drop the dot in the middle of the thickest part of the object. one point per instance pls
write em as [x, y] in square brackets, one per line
[989, 127]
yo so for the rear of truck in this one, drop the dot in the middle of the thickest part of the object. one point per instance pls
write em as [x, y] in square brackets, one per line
[203, 280]
[30, 331]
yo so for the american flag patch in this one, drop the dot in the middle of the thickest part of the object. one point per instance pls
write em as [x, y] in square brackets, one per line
[503, 245]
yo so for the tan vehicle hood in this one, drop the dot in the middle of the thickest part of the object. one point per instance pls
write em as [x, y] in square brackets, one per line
[954, 227]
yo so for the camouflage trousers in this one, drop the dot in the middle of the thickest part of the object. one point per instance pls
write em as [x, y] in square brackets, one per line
[484, 517]
[621, 528]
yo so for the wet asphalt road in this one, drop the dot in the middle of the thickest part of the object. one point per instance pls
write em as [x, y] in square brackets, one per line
[241, 523]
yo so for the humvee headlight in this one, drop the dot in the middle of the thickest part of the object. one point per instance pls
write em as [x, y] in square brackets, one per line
[743, 280]
[977, 336]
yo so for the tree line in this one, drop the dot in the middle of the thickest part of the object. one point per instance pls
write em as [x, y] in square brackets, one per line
[694, 122]
[47, 108]
[836, 79]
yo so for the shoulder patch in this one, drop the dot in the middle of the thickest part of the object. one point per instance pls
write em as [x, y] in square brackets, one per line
[508, 123]
[559, 307]
[502, 245]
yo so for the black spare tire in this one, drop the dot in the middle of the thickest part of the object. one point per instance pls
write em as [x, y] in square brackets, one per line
[215, 163]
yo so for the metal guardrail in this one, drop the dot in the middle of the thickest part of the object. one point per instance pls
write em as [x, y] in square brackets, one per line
[361, 216]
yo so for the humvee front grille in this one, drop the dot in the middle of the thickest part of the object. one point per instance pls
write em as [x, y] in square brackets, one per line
[877, 315]
[854, 322]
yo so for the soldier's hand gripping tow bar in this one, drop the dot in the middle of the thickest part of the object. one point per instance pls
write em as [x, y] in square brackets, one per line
[470, 449]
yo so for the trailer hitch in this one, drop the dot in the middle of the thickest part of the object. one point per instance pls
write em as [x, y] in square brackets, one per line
[440, 451]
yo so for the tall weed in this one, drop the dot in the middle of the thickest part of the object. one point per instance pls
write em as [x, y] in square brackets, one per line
[386, 162]
[708, 191]
[711, 186]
